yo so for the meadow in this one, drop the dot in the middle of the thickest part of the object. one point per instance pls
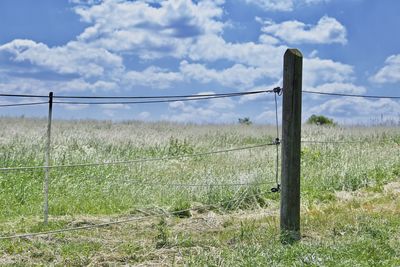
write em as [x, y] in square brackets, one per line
[208, 209]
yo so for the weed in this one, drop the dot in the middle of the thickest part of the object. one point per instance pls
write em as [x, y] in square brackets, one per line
[163, 234]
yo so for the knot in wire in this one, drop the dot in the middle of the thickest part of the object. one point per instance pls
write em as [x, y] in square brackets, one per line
[277, 141]
[277, 90]
[276, 189]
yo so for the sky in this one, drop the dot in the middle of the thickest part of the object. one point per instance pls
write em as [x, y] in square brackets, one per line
[149, 48]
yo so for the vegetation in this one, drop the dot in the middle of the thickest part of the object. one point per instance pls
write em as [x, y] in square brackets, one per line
[320, 120]
[349, 208]
[245, 121]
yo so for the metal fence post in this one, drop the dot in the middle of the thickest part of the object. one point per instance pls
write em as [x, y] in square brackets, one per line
[47, 162]
[291, 137]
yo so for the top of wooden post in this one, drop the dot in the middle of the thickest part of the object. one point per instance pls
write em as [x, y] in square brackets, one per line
[293, 51]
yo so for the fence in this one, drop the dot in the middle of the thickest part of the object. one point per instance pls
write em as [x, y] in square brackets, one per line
[54, 100]
[289, 186]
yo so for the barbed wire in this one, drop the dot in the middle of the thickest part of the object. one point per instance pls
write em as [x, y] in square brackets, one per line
[23, 104]
[135, 160]
[131, 219]
[350, 95]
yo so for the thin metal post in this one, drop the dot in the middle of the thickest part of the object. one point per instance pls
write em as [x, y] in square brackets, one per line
[47, 162]
[291, 138]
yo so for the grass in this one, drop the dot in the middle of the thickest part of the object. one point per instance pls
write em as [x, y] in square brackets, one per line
[350, 201]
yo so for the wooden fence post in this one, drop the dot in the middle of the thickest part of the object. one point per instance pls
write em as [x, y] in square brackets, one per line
[47, 162]
[291, 138]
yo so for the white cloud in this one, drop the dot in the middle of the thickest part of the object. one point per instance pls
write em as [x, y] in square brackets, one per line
[215, 103]
[111, 110]
[267, 39]
[74, 107]
[327, 31]
[152, 77]
[222, 104]
[273, 5]
[115, 106]
[21, 85]
[337, 87]
[202, 111]
[237, 76]
[84, 2]
[269, 116]
[131, 34]
[355, 108]
[283, 5]
[84, 86]
[181, 29]
[189, 113]
[213, 47]
[325, 75]
[390, 73]
[144, 115]
[318, 71]
[137, 27]
[263, 96]
[74, 58]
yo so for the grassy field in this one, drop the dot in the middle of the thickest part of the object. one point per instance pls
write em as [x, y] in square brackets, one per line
[350, 192]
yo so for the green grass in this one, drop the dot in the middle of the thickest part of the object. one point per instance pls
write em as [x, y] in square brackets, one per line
[349, 216]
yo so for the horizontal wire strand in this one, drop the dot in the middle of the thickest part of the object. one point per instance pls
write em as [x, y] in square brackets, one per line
[137, 97]
[166, 96]
[190, 96]
[145, 101]
[25, 95]
[87, 227]
[135, 160]
[331, 142]
[190, 185]
[350, 95]
[23, 104]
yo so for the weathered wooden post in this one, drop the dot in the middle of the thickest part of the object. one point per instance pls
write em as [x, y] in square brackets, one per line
[47, 162]
[291, 137]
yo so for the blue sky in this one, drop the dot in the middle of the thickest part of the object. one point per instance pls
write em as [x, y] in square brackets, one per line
[148, 47]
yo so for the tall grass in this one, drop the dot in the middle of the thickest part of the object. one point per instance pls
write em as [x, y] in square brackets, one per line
[368, 162]
[119, 189]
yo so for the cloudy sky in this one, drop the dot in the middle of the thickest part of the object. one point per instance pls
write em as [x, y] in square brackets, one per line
[149, 47]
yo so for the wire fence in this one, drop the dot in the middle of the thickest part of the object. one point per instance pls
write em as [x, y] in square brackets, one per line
[138, 99]
[94, 100]
[66, 99]
[110, 100]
